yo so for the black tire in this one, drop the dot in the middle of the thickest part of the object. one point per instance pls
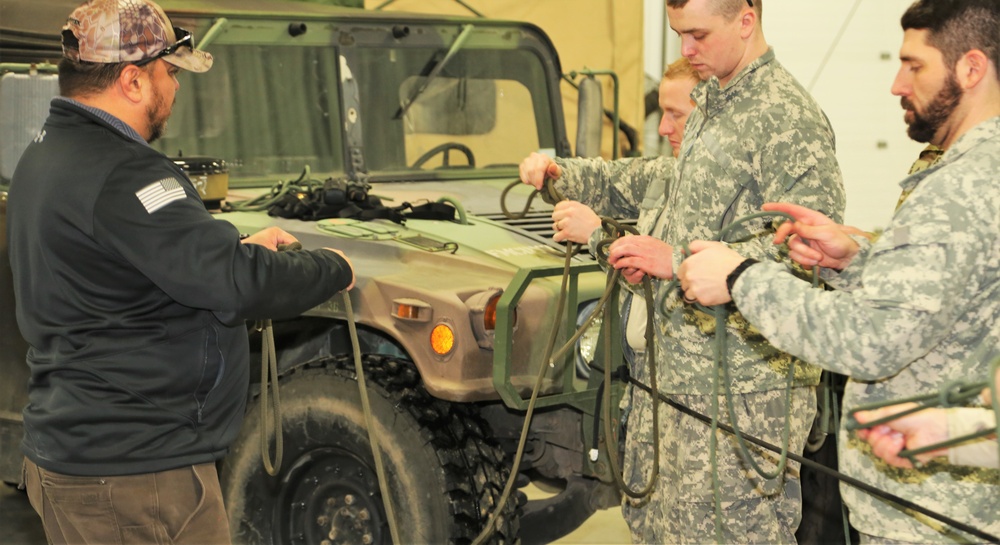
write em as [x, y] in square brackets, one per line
[445, 472]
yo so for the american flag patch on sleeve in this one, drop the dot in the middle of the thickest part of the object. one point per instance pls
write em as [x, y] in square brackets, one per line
[159, 194]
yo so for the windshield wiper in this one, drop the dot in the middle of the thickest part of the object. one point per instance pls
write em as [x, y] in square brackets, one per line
[455, 47]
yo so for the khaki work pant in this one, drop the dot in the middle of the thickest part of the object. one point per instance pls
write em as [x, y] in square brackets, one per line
[180, 506]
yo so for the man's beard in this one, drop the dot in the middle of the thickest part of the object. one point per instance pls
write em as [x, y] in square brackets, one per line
[157, 114]
[925, 125]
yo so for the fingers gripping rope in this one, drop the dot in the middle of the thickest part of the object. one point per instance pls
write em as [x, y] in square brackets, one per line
[613, 231]
[953, 395]
[548, 192]
[860, 485]
[720, 346]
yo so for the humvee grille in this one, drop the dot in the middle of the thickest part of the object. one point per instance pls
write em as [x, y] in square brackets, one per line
[538, 223]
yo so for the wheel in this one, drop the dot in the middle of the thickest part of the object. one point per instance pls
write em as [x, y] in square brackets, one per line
[445, 148]
[444, 471]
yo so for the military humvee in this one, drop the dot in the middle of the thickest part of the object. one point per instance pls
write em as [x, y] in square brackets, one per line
[453, 315]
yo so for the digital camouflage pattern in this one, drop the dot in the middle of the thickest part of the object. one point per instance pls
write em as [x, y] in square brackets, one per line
[927, 301]
[625, 188]
[681, 508]
[847, 280]
[617, 188]
[761, 139]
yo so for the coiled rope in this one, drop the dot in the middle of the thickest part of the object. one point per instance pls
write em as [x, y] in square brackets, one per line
[359, 370]
[269, 376]
[721, 315]
[303, 186]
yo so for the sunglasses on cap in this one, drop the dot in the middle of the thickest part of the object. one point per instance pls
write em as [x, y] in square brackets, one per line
[184, 39]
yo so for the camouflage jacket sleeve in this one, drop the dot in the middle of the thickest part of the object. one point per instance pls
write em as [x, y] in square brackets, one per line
[927, 278]
[649, 206]
[612, 188]
[797, 166]
[850, 278]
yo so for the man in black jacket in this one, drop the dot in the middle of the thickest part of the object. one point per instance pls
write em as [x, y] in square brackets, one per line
[132, 298]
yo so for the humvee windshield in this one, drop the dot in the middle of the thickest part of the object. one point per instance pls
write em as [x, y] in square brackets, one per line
[269, 110]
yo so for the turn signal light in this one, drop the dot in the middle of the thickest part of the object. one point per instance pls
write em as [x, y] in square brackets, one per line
[407, 312]
[490, 313]
[411, 310]
[442, 339]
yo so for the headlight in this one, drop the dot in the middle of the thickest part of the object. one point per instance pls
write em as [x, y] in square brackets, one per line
[586, 346]
[483, 316]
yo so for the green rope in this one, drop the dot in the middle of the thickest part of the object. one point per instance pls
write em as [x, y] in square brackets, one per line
[303, 185]
[490, 525]
[551, 357]
[615, 230]
[713, 440]
[269, 375]
[832, 397]
[380, 471]
[720, 346]
[549, 194]
[952, 394]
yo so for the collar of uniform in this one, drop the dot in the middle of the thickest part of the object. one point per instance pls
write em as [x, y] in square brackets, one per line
[987, 130]
[111, 120]
[709, 95]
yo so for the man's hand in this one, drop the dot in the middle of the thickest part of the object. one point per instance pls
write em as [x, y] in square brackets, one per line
[536, 168]
[703, 273]
[270, 238]
[912, 431]
[574, 222]
[826, 243]
[639, 255]
[349, 264]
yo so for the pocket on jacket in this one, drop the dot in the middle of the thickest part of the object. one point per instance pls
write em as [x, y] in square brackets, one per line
[212, 368]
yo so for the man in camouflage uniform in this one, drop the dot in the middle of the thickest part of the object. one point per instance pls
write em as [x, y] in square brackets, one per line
[626, 188]
[623, 188]
[924, 298]
[754, 136]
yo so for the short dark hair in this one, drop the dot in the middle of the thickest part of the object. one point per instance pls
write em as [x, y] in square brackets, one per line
[81, 78]
[956, 27]
[726, 8]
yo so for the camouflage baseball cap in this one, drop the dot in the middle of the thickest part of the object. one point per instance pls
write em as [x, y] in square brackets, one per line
[136, 31]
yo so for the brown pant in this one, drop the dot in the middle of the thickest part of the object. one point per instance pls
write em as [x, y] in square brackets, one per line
[178, 506]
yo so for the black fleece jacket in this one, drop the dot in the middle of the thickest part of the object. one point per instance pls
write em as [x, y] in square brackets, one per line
[133, 309]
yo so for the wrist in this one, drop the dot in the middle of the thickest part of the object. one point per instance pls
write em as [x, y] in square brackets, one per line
[735, 273]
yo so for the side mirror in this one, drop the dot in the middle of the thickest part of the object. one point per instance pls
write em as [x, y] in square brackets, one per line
[590, 118]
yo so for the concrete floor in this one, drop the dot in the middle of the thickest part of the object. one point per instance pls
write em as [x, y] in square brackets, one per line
[19, 525]
[605, 527]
